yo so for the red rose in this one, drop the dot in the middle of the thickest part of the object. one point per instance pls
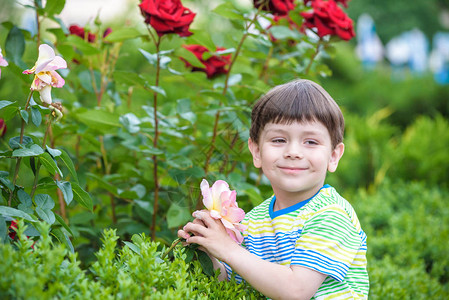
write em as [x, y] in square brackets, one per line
[344, 2]
[329, 19]
[214, 65]
[12, 229]
[107, 32]
[79, 31]
[276, 7]
[167, 16]
[2, 128]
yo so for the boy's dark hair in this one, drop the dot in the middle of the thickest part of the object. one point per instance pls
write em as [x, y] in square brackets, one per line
[298, 100]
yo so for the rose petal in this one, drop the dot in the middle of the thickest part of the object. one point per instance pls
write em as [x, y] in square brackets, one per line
[45, 94]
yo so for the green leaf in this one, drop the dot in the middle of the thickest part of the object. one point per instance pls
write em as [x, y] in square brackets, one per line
[122, 34]
[133, 247]
[177, 215]
[202, 37]
[14, 142]
[69, 164]
[44, 206]
[24, 114]
[99, 119]
[61, 221]
[54, 7]
[7, 183]
[15, 46]
[228, 11]
[104, 184]
[24, 198]
[50, 164]
[283, 32]
[63, 238]
[5, 103]
[189, 57]
[36, 116]
[131, 122]
[44, 201]
[33, 150]
[46, 214]
[3, 230]
[82, 197]
[158, 90]
[53, 152]
[12, 212]
[66, 189]
[128, 78]
[206, 262]
[82, 45]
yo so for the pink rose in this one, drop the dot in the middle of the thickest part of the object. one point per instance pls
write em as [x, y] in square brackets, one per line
[328, 19]
[222, 205]
[214, 65]
[167, 16]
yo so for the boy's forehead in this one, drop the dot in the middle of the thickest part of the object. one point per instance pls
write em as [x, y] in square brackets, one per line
[295, 125]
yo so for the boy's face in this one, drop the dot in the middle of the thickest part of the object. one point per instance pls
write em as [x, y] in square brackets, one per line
[295, 158]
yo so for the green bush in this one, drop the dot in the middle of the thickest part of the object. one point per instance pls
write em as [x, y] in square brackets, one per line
[134, 271]
[407, 225]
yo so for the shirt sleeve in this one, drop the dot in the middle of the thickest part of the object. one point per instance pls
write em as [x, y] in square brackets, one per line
[328, 243]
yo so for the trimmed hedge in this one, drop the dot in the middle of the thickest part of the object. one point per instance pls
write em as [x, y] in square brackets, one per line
[408, 257]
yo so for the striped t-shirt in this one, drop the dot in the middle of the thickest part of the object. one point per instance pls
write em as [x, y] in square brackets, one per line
[322, 233]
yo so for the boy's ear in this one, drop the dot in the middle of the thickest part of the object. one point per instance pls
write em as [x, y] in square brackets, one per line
[255, 152]
[336, 154]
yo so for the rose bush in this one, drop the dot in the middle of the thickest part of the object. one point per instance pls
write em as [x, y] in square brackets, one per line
[329, 19]
[214, 65]
[168, 16]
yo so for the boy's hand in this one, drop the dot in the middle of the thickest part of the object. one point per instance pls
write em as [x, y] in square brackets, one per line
[209, 233]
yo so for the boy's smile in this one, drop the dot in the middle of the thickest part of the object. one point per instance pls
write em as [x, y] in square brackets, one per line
[295, 158]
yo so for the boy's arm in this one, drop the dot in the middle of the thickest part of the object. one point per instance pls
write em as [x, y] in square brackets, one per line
[271, 279]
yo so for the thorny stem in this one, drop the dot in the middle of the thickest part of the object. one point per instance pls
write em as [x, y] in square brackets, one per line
[19, 160]
[44, 142]
[225, 90]
[58, 177]
[317, 50]
[173, 245]
[155, 141]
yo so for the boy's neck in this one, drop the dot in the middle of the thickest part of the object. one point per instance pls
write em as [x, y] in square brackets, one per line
[286, 199]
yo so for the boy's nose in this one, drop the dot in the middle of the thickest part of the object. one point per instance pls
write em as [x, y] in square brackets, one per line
[294, 152]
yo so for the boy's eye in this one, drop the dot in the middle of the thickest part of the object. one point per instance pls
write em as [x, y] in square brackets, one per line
[311, 142]
[278, 140]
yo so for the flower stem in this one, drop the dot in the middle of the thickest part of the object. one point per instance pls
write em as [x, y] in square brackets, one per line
[225, 90]
[19, 160]
[173, 245]
[317, 50]
[155, 142]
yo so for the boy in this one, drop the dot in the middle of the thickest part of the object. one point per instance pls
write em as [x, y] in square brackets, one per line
[305, 241]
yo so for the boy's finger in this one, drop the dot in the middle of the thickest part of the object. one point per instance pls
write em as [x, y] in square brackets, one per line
[205, 217]
[196, 229]
[183, 234]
